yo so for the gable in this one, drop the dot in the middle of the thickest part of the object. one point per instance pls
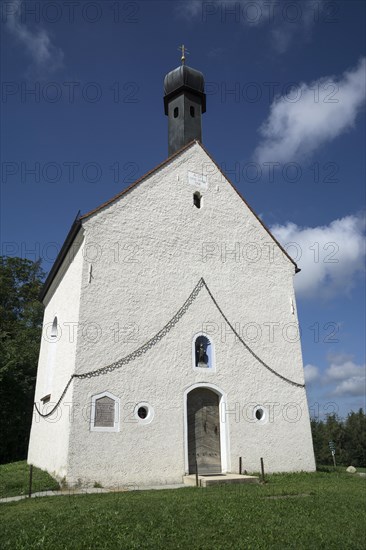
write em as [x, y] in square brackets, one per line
[190, 171]
[160, 195]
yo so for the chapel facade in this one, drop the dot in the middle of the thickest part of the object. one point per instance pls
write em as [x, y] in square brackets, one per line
[170, 340]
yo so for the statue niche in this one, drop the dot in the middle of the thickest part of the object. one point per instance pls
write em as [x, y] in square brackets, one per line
[202, 352]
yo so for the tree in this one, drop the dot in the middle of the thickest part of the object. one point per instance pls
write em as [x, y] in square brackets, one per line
[321, 449]
[355, 438]
[21, 317]
[348, 435]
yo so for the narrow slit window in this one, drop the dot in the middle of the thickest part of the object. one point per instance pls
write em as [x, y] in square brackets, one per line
[54, 330]
[176, 112]
[192, 111]
[197, 199]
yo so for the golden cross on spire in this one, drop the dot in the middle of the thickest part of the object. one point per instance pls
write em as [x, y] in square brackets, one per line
[184, 51]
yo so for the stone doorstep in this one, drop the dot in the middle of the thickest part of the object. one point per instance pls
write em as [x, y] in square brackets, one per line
[222, 479]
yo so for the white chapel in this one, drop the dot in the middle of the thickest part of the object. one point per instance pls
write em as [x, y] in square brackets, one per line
[170, 340]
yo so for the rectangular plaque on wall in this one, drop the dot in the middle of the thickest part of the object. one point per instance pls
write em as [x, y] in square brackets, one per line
[197, 180]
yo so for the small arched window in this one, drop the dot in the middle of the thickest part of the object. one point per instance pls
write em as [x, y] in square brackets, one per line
[191, 110]
[197, 199]
[176, 112]
[203, 353]
[104, 413]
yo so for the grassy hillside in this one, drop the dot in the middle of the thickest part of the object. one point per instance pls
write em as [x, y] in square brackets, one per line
[14, 480]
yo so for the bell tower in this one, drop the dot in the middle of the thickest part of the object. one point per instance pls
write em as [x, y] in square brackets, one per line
[184, 104]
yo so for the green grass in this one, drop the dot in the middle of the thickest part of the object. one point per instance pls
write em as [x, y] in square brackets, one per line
[14, 480]
[321, 510]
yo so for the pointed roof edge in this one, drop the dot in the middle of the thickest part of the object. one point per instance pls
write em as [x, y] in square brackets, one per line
[140, 180]
[164, 163]
[77, 224]
[297, 269]
[74, 230]
[78, 221]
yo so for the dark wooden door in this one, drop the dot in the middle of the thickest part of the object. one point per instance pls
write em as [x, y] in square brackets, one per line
[203, 431]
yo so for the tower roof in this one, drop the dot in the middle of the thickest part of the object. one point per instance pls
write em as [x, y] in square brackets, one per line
[184, 78]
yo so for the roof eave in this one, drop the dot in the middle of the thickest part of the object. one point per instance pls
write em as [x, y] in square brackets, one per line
[140, 180]
[78, 220]
[61, 256]
[297, 269]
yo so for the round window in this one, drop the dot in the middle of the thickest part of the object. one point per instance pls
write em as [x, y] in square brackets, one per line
[142, 412]
[259, 414]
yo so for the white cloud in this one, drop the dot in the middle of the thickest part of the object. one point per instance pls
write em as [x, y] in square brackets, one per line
[311, 373]
[45, 57]
[349, 377]
[338, 358]
[342, 378]
[342, 371]
[312, 115]
[285, 22]
[331, 257]
[354, 386]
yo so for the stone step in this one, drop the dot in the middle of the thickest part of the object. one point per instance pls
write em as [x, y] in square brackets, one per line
[222, 479]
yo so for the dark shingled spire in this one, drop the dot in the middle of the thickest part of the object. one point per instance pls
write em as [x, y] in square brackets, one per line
[184, 103]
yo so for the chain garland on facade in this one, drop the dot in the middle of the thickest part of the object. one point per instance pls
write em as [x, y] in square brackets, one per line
[137, 353]
[155, 339]
[246, 345]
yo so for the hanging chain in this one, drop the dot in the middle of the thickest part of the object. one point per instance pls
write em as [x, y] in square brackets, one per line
[58, 402]
[246, 345]
[137, 353]
[159, 336]
[150, 343]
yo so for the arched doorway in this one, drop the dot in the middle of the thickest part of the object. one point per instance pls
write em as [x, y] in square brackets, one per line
[203, 423]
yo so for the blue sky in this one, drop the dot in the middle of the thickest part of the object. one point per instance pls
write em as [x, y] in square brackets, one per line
[82, 117]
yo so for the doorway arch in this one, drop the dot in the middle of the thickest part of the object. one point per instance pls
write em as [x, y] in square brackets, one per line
[206, 434]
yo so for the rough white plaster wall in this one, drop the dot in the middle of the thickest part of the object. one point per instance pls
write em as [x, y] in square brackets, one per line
[161, 240]
[154, 453]
[49, 439]
[148, 250]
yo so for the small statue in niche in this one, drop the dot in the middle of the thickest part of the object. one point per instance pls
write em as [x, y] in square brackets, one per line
[201, 353]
